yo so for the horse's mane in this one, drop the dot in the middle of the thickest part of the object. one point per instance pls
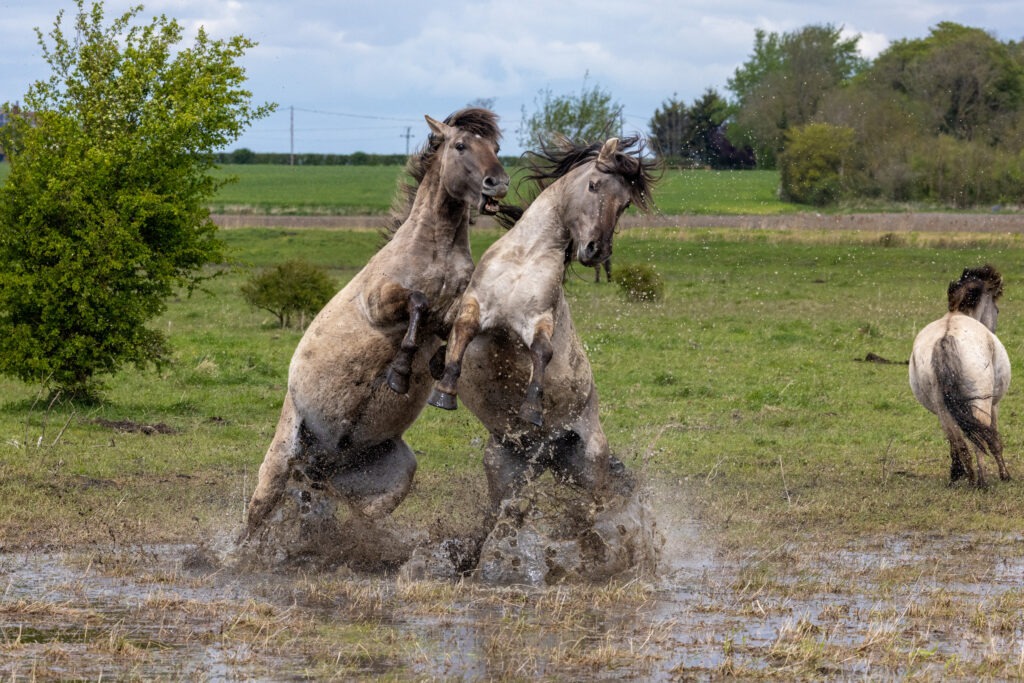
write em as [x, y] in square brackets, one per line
[965, 294]
[560, 156]
[475, 120]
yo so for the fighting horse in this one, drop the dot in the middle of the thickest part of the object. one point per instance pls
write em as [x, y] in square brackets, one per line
[359, 376]
[524, 372]
[959, 370]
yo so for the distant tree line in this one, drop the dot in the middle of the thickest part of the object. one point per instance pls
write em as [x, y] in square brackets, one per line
[247, 156]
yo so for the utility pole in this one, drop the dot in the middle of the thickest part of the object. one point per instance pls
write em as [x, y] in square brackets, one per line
[407, 136]
[291, 134]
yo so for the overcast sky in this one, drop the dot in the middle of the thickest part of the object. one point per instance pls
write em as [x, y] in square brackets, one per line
[358, 75]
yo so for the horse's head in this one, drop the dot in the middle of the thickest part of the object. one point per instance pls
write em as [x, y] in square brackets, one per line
[604, 180]
[975, 294]
[466, 149]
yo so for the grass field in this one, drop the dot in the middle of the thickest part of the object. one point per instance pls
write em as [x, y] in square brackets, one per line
[743, 393]
[368, 190]
[751, 359]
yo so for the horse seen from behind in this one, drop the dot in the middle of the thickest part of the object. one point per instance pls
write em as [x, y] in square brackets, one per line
[523, 370]
[359, 376]
[959, 370]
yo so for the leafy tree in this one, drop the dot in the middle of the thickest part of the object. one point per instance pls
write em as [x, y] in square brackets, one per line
[782, 84]
[103, 213]
[966, 83]
[591, 115]
[292, 290]
[668, 127]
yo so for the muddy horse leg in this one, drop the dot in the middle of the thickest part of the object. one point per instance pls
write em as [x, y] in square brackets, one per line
[508, 468]
[401, 367]
[274, 472]
[465, 328]
[532, 409]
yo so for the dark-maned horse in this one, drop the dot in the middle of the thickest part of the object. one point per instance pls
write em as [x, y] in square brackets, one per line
[359, 376]
[524, 372]
[959, 370]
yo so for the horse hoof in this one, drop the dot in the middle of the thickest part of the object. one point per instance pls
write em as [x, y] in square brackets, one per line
[531, 415]
[397, 382]
[443, 400]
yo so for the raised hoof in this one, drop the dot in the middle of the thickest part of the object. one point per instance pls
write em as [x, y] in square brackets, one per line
[443, 400]
[530, 414]
[398, 382]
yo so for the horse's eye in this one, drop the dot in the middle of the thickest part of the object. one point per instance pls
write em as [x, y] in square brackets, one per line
[592, 186]
[460, 146]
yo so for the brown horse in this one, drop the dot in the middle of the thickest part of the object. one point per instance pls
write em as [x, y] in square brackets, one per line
[524, 372]
[359, 376]
[959, 370]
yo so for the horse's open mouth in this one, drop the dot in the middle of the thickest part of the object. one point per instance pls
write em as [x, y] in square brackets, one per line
[489, 205]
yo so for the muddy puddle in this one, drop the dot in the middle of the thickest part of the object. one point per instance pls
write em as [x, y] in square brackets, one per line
[915, 606]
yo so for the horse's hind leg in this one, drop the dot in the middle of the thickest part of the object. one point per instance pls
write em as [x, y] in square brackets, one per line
[463, 331]
[959, 453]
[376, 479]
[273, 474]
[532, 409]
[996, 446]
[401, 367]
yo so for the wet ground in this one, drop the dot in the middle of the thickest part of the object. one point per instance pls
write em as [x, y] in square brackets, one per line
[908, 606]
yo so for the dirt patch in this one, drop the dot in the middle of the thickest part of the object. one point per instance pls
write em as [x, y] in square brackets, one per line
[991, 222]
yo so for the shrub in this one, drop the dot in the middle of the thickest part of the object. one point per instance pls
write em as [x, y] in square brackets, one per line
[811, 167]
[102, 216]
[640, 282]
[293, 291]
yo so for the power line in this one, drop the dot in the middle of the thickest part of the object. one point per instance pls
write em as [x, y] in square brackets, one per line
[355, 116]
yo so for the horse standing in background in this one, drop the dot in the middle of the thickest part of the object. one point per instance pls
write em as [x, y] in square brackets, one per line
[524, 372]
[959, 370]
[359, 376]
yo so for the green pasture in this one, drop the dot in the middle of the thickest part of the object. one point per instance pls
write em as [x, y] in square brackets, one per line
[369, 190]
[744, 392]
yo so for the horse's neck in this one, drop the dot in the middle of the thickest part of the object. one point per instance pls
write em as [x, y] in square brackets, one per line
[542, 229]
[435, 217]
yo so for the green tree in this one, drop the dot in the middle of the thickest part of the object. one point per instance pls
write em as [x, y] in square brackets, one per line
[782, 84]
[103, 213]
[592, 115]
[293, 291]
[668, 129]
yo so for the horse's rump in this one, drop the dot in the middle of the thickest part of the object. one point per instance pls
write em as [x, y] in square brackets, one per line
[960, 393]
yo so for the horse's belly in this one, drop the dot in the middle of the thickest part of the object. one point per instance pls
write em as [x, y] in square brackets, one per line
[496, 370]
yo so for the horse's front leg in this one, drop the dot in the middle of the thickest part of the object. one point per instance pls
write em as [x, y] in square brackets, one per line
[401, 367]
[532, 409]
[466, 327]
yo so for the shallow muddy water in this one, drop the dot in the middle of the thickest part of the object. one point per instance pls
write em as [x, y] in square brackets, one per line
[884, 607]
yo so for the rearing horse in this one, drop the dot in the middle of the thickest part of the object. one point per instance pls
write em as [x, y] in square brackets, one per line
[959, 370]
[359, 376]
[524, 372]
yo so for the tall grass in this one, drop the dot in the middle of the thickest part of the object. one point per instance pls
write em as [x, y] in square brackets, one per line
[744, 388]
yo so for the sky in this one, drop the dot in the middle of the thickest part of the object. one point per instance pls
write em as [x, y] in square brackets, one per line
[359, 75]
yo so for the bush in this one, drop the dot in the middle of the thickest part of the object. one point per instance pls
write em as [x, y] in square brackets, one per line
[640, 282]
[103, 215]
[811, 167]
[293, 291]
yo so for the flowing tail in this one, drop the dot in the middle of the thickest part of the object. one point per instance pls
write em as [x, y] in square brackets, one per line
[956, 395]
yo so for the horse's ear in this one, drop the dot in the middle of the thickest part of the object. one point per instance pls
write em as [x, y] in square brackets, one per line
[608, 150]
[442, 130]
